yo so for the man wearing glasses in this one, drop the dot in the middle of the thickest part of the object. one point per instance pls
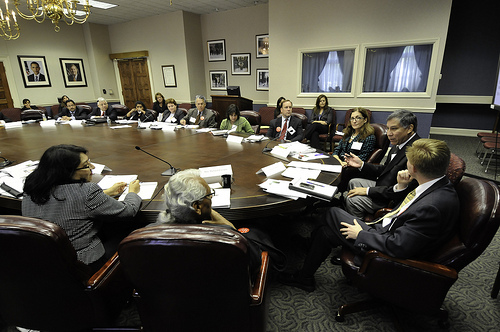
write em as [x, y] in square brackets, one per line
[372, 189]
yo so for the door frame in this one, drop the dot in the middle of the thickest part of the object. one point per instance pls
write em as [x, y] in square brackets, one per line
[11, 80]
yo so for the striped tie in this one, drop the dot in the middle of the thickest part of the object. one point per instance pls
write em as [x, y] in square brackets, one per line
[408, 198]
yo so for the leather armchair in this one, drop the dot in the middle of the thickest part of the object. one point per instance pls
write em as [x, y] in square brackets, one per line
[381, 143]
[194, 278]
[44, 287]
[253, 118]
[421, 286]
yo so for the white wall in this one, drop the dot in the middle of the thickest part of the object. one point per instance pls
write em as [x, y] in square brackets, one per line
[315, 24]
[238, 27]
[41, 40]
[164, 38]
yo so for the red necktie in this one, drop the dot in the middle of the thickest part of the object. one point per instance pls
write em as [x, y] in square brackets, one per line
[283, 130]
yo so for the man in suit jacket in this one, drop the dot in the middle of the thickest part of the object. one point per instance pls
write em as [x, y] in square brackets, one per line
[420, 225]
[205, 118]
[103, 110]
[74, 74]
[36, 76]
[72, 112]
[286, 127]
[371, 189]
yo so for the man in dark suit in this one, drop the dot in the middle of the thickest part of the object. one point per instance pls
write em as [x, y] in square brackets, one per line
[36, 76]
[418, 226]
[286, 127]
[74, 74]
[72, 112]
[371, 189]
[200, 116]
[103, 110]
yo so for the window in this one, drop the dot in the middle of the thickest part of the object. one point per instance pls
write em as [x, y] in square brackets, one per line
[397, 69]
[329, 71]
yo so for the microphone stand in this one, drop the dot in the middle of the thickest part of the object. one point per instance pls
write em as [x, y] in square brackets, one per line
[169, 172]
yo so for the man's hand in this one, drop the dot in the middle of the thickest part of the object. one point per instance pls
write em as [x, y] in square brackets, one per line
[353, 160]
[217, 219]
[134, 187]
[320, 122]
[115, 189]
[183, 122]
[404, 178]
[351, 231]
[358, 191]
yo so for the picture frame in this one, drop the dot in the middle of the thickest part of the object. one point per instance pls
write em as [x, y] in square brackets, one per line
[240, 64]
[262, 78]
[216, 50]
[73, 72]
[218, 79]
[34, 71]
[262, 45]
[169, 79]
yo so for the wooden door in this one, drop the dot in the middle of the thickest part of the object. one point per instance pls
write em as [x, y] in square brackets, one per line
[5, 97]
[134, 76]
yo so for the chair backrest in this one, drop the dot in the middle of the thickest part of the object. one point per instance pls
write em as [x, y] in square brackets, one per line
[266, 115]
[33, 114]
[302, 117]
[478, 223]
[13, 114]
[87, 108]
[189, 277]
[41, 275]
[456, 169]
[185, 111]
[121, 110]
[381, 143]
[253, 118]
[184, 105]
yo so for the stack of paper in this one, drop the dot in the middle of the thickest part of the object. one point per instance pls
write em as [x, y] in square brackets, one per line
[281, 188]
[146, 192]
[313, 188]
[321, 167]
[109, 180]
[222, 198]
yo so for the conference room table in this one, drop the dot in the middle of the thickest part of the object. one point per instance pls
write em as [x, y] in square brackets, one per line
[183, 148]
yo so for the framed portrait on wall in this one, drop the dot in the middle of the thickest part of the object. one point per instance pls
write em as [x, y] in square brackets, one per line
[216, 50]
[169, 76]
[240, 64]
[262, 79]
[262, 43]
[34, 71]
[218, 79]
[73, 72]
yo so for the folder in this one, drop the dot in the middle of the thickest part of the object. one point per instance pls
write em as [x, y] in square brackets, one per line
[313, 188]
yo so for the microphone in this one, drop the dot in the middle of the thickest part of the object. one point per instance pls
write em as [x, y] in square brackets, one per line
[5, 162]
[168, 172]
[266, 149]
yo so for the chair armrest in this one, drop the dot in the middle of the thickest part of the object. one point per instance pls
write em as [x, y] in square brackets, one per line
[260, 282]
[105, 273]
[435, 268]
[339, 126]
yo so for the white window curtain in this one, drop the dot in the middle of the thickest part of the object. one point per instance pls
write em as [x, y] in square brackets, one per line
[331, 78]
[406, 76]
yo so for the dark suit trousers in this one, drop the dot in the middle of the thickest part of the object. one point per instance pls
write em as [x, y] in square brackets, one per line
[326, 237]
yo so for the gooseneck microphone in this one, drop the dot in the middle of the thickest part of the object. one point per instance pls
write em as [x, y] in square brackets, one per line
[266, 149]
[168, 172]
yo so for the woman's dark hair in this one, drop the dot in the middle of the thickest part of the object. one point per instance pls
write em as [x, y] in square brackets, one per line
[232, 109]
[140, 102]
[364, 131]
[277, 110]
[26, 100]
[56, 167]
[62, 100]
[316, 109]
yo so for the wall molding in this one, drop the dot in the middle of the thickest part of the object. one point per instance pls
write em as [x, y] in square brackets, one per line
[456, 131]
[455, 99]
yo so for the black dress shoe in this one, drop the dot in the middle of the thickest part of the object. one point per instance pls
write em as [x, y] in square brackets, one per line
[306, 283]
[335, 260]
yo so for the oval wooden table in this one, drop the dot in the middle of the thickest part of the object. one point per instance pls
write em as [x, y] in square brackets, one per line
[183, 148]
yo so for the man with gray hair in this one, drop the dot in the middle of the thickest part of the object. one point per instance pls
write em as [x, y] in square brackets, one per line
[103, 110]
[200, 116]
[373, 189]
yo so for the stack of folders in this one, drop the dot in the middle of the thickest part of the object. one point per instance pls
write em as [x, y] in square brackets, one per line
[313, 188]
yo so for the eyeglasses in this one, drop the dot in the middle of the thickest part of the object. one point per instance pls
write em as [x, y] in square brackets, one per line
[209, 196]
[89, 164]
[358, 118]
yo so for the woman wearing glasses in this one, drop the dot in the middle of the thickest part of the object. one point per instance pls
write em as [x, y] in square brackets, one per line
[358, 139]
[59, 190]
[322, 117]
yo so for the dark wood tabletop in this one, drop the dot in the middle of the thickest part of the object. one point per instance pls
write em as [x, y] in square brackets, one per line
[183, 148]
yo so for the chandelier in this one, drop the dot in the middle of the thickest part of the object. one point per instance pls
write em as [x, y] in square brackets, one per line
[39, 10]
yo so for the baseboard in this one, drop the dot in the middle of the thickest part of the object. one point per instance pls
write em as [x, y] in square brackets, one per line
[456, 131]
